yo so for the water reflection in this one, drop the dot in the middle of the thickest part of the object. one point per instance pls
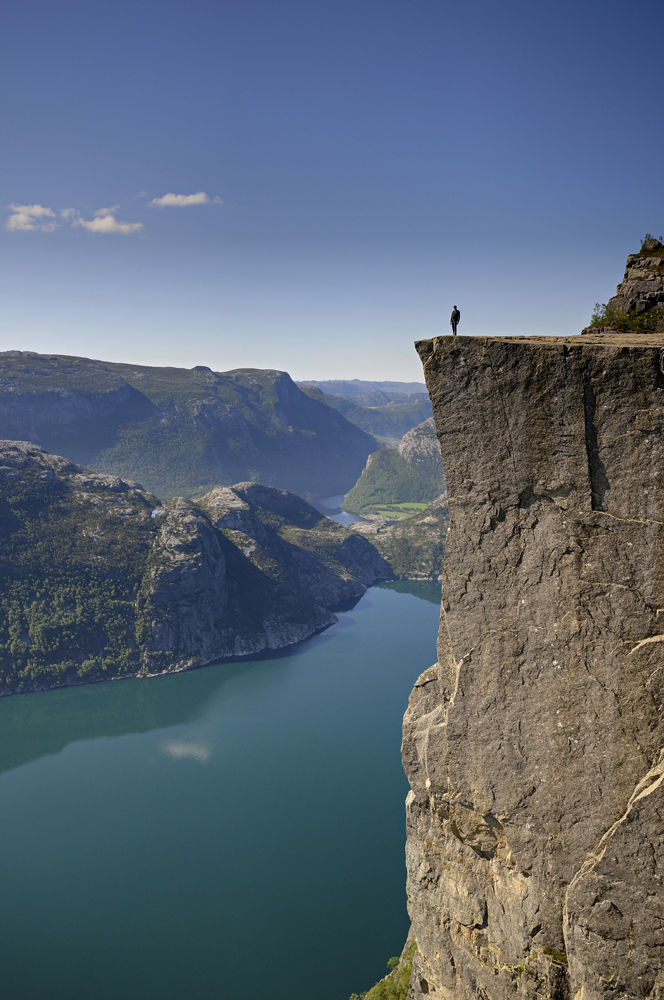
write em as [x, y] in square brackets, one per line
[44, 722]
[240, 803]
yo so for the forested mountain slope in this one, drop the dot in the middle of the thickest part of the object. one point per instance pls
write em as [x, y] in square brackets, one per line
[411, 472]
[180, 431]
[98, 581]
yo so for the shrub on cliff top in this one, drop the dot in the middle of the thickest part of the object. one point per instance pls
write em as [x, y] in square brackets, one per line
[646, 322]
[647, 238]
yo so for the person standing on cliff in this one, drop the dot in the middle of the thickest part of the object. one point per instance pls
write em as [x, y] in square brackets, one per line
[454, 322]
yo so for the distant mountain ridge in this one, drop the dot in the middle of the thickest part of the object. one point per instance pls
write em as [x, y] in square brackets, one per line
[385, 414]
[358, 387]
[180, 431]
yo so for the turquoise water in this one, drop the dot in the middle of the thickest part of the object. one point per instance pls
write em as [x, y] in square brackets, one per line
[234, 832]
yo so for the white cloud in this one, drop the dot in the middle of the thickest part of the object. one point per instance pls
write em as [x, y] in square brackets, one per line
[105, 222]
[67, 213]
[181, 200]
[24, 218]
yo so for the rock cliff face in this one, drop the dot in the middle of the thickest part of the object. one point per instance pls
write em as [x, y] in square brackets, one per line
[535, 746]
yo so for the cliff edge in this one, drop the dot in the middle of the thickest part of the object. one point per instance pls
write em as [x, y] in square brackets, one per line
[535, 746]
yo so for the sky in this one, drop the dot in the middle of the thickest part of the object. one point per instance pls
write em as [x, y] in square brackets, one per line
[311, 185]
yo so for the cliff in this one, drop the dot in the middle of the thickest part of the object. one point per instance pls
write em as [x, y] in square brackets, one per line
[534, 747]
[98, 581]
[180, 431]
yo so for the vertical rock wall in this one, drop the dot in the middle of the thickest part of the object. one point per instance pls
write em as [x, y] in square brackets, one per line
[534, 747]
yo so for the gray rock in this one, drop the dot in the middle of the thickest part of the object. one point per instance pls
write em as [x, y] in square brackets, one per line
[533, 747]
[642, 287]
[419, 446]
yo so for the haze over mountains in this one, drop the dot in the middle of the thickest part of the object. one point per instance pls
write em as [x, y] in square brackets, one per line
[358, 387]
[385, 409]
[113, 570]
[180, 431]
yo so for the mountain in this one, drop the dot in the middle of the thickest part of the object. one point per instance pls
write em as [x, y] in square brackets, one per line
[358, 387]
[387, 419]
[638, 305]
[100, 581]
[414, 544]
[180, 431]
[410, 473]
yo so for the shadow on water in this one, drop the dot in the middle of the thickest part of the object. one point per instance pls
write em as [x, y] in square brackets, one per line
[45, 722]
[426, 590]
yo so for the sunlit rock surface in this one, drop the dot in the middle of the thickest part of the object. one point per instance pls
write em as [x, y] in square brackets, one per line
[533, 747]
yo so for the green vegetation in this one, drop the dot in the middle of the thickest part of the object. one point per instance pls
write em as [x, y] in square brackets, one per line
[398, 509]
[415, 546]
[99, 581]
[556, 956]
[71, 567]
[389, 479]
[645, 322]
[179, 431]
[395, 985]
[406, 485]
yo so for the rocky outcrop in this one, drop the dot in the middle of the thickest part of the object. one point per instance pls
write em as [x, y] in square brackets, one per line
[534, 746]
[419, 447]
[642, 288]
[98, 580]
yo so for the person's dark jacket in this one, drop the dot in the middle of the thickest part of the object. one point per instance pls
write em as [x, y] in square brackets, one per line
[456, 316]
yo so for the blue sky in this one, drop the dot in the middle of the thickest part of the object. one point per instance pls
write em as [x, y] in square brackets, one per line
[360, 168]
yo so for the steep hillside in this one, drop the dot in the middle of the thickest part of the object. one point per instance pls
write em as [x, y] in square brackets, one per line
[411, 472]
[413, 545]
[180, 431]
[98, 581]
